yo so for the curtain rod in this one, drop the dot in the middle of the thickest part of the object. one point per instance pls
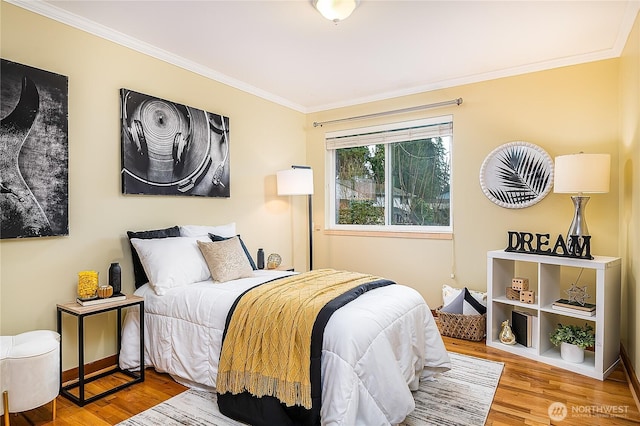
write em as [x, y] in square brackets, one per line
[397, 111]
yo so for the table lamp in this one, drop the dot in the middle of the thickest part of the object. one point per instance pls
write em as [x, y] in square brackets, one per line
[581, 174]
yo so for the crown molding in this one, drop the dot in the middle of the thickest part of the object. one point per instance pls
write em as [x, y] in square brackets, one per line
[91, 27]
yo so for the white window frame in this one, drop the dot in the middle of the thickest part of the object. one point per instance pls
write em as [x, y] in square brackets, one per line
[374, 135]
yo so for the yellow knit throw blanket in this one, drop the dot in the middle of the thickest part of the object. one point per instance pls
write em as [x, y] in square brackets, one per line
[268, 342]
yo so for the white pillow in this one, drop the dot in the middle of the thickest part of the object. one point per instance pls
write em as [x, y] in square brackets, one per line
[172, 262]
[227, 231]
[449, 293]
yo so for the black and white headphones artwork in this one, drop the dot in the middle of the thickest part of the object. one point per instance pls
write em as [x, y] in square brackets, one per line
[219, 126]
[170, 148]
[136, 134]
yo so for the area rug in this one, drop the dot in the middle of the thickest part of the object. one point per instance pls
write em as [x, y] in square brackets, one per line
[461, 396]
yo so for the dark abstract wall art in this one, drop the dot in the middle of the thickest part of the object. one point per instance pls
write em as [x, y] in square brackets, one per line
[34, 152]
[172, 149]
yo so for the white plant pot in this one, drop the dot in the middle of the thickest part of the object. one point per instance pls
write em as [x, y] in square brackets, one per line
[571, 353]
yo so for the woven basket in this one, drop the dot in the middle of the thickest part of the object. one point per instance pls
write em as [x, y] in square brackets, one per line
[467, 327]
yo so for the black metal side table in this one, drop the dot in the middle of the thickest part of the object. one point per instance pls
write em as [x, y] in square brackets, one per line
[79, 311]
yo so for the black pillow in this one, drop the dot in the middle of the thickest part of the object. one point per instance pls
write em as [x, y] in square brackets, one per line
[215, 238]
[138, 270]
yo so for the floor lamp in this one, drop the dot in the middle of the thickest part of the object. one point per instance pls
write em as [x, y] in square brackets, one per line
[299, 181]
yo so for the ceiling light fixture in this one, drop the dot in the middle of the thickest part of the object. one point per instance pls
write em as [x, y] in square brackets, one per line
[335, 10]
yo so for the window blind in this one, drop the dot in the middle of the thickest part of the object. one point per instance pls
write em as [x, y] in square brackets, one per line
[397, 132]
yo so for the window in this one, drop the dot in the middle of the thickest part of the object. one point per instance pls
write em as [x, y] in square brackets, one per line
[394, 177]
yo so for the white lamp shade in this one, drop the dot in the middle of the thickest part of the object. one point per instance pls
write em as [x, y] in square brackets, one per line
[582, 173]
[335, 10]
[297, 181]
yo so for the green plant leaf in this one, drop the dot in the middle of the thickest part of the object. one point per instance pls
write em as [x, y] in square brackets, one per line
[582, 337]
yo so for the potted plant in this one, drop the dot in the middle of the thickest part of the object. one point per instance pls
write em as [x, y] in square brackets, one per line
[573, 339]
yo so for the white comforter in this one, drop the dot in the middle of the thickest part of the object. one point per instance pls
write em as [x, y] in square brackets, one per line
[375, 348]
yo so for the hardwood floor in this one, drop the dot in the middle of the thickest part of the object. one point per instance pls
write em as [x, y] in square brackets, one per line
[527, 388]
[525, 392]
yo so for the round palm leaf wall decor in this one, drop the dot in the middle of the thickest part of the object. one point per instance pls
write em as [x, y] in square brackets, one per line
[516, 175]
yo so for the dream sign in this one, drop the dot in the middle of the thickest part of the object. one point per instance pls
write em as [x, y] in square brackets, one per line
[526, 242]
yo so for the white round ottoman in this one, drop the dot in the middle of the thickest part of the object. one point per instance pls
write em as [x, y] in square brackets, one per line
[29, 371]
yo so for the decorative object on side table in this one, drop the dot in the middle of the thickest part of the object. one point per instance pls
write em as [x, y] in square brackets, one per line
[506, 334]
[91, 293]
[105, 291]
[87, 284]
[573, 340]
[115, 273]
[260, 258]
[273, 261]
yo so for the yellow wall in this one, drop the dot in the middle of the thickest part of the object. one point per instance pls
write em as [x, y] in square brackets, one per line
[629, 175]
[566, 110]
[36, 274]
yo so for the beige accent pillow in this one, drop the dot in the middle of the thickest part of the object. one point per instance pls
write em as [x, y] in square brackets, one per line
[226, 259]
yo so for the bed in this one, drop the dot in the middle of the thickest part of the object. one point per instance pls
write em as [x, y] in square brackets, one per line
[375, 349]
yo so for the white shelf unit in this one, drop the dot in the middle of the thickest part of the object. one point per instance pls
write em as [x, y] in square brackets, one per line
[502, 266]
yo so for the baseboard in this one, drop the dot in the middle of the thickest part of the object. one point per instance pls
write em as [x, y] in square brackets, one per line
[632, 377]
[94, 367]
